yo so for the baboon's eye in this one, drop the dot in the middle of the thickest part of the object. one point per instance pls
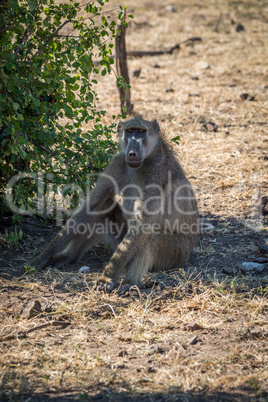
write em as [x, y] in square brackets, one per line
[129, 130]
[141, 130]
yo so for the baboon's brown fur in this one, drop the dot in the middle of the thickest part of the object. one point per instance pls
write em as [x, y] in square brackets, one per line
[156, 227]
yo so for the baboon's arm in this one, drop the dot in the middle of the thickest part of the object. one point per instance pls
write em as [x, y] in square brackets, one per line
[133, 241]
[109, 183]
[124, 253]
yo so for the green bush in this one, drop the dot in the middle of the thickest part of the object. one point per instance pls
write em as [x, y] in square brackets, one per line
[47, 93]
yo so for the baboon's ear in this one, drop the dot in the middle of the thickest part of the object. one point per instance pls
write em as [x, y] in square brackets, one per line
[155, 126]
[119, 126]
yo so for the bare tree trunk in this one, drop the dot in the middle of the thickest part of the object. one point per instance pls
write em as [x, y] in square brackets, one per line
[121, 67]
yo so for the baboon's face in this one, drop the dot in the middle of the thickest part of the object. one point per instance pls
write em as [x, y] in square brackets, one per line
[135, 140]
[138, 138]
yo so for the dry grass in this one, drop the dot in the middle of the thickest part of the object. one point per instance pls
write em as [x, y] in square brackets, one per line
[192, 336]
[197, 333]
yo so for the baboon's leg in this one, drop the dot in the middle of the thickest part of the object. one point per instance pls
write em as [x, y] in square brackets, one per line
[160, 252]
[75, 249]
[110, 227]
[55, 246]
[73, 239]
[120, 259]
[137, 268]
[171, 251]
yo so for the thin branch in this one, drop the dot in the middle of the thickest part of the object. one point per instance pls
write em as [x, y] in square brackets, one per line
[47, 42]
[55, 156]
[28, 31]
[69, 36]
[23, 334]
[9, 26]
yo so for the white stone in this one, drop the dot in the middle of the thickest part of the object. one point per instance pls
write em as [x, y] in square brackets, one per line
[207, 227]
[251, 267]
[202, 65]
[170, 9]
[84, 269]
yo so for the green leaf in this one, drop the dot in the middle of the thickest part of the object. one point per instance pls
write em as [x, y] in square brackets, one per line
[46, 95]
[36, 101]
[176, 139]
[32, 5]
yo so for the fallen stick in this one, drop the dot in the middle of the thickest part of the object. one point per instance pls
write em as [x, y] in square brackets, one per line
[141, 53]
[22, 334]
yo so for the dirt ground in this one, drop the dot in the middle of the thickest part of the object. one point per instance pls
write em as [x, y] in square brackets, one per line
[197, 333]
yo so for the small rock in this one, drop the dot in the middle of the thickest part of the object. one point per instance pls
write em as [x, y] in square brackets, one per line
[207, 228]
[228, 270]
[203, 65]
[263, 249]
[160, 350]
[252, 267]
[194, 78]
[201, 119]
[193, 340]
[149, 322]
[169, 90]
[122, 353]
[135, 73]
[85, 269]
[150, 370]
[32, 309]
[48, 308]
[210, 126]
[152, 349]
[170, 9]
[239, 28]
[190, 326]
[246, 96]
[155, 65]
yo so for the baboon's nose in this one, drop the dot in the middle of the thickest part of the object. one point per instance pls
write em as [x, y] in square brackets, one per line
[132, 155]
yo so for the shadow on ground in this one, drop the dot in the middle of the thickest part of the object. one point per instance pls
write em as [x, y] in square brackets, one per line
[109, 395]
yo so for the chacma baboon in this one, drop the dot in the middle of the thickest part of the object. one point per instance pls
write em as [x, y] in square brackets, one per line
[156, 225]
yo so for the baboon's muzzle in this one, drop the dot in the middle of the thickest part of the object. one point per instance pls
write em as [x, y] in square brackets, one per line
[134, 157]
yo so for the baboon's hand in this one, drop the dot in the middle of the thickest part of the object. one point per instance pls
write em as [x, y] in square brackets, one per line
[104, 284]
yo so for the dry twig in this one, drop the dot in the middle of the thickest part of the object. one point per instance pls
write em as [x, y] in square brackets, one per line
[22, 334]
